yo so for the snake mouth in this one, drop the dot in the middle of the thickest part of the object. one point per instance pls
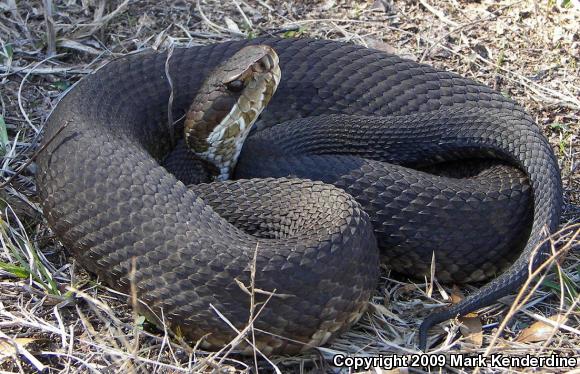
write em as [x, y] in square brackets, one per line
[229, 103]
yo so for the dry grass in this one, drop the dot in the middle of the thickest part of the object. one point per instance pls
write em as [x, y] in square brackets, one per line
[60, 320]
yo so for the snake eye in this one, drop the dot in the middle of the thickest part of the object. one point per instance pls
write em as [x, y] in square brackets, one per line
[235, 86]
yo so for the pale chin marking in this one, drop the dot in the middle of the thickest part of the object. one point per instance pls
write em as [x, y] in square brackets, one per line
[224, 152]
[224, 174]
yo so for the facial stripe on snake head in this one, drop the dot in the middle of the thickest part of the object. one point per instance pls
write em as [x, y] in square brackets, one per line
[228, 103]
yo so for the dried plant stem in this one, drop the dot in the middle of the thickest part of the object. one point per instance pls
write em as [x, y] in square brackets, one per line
[50, 32]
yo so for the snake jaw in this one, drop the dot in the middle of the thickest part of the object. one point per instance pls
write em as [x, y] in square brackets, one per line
[216, 133]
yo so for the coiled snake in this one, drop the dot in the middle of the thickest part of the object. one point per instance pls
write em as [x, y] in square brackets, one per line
[425, 164]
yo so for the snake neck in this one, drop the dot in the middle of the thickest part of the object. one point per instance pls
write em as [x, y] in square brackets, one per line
[228, 104]
[226, 142]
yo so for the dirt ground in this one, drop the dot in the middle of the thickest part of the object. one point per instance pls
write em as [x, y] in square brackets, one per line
[56, 318]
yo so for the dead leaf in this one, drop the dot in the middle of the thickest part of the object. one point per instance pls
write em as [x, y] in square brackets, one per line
[470, 324]
[232, 26]
[407, 287]
[539, 331]
[456, 295]
[9, 348]
[380, 45]
[471, 329]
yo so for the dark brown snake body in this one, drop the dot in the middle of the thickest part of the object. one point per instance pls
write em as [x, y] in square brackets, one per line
[422, 161]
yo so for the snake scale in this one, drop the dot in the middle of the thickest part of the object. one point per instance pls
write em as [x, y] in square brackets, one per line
[360, 156]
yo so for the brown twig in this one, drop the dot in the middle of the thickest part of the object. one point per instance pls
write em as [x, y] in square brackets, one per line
[170, 99]
[523, 296]
[50, 32]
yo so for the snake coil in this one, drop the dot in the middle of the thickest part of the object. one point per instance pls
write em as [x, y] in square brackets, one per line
[409, 143]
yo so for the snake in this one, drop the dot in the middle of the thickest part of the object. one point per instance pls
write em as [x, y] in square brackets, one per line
[262, 183]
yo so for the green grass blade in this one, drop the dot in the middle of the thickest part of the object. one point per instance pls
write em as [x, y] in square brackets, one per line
[3, 136]
[17, 271]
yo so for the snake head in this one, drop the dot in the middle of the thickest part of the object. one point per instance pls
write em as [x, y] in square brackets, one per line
[228, 103]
